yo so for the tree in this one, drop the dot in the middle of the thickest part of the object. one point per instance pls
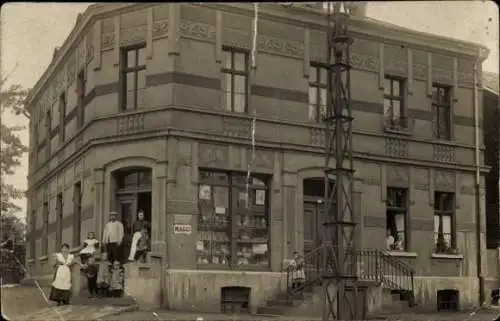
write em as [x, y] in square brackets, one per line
[12, 100]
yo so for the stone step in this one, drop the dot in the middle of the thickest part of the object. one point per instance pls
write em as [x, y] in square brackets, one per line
[278, 311]
[115, 302]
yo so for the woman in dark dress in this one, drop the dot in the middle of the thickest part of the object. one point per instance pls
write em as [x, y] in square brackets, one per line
[61, 286]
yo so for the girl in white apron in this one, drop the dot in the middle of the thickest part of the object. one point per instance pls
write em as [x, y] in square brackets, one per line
[61, 286]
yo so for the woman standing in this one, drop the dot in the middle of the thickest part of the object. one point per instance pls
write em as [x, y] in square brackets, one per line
[137, 227]
[61, 286]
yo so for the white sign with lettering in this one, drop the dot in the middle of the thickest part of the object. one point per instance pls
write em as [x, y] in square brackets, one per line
[185, 229]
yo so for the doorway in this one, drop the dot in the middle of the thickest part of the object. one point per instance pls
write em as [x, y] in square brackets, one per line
[144, 203]
[314, 213]
[133, 193]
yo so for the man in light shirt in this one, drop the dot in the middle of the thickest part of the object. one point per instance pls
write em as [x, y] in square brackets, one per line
[112, 237]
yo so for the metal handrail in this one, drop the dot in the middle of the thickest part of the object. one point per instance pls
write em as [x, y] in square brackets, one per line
[371, 264]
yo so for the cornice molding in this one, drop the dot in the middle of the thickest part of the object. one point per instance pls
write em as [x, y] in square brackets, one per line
[299, 16]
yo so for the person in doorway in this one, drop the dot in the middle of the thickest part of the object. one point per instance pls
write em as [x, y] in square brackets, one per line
[137, 227]
[61, 286]
[390, 240]
[143, 246]
[112, 237]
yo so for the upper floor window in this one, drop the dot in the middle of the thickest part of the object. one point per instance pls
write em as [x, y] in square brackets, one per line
[48, 126]
[396, 217]
[444, 211]
[133, 77]
[441, 111]
[77, 213]
[32, 240]
[80, 91]
[45, 235]
[235, 80]
[317, 92]
[394, 104]
[62, 115]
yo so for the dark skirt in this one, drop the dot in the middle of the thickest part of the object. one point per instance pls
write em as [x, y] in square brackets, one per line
[60, 296]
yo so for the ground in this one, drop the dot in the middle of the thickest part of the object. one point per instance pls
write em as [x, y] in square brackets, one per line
[27, 303]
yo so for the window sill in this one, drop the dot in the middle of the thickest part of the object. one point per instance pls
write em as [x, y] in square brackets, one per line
[447, 256]
[221, 267]
[392, 131]
[401, 254]
[31, 261]
[43, 258]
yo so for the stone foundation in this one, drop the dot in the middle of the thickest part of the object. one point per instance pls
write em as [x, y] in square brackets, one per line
[199, 290]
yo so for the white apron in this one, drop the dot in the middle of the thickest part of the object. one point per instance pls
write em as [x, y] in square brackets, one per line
[62, 280]
[133, 246]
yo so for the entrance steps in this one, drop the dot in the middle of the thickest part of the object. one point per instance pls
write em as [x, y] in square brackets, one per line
[376, 299]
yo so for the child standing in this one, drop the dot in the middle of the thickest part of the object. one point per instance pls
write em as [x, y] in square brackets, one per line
[103, 275]
[298, 275]
[116, 285]
[91, 271]
[89, 248]
[143, 246]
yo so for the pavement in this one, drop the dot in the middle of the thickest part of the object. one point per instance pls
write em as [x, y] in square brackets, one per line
[161, 315]
[27, 303]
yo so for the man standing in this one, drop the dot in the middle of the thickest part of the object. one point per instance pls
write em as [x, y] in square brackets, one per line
[112, 237]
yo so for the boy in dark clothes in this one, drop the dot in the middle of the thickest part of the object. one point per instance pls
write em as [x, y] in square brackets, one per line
[91, 270]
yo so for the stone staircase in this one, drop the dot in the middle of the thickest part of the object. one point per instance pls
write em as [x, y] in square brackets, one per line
[378, 292]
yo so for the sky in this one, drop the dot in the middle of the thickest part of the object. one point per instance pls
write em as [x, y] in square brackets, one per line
[29, 32]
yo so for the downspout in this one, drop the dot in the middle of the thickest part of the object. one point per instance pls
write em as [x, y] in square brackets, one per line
[477, 165]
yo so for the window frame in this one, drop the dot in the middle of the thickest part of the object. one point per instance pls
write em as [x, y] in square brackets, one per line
[436, 106]
[59, 219]
[81, 88]
[399, 210]
[394, 122]
[33, 234]
[318, 87]
[48, 128]
[451, 213]
[233, 204]
[77, 213]
[125, 70]
[45, 226]
[233, 72]
[63, 104]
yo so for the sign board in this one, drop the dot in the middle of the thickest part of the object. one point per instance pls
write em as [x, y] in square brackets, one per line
[184, 229]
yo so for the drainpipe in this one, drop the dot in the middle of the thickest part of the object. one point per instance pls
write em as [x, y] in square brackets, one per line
[479, 255]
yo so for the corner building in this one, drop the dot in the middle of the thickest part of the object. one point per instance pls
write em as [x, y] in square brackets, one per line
[149, 106]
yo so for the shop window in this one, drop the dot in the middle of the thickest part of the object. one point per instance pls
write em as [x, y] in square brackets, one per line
[396, 216]
[233, 220]
[444, 204]
[448, 300]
